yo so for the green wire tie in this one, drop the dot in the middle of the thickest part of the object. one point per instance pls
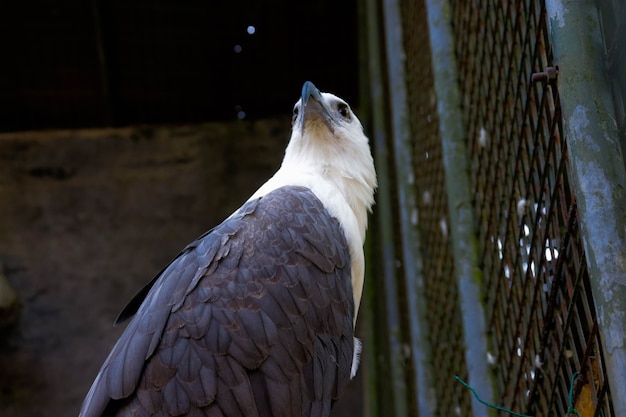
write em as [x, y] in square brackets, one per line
[571, 411]
[495, 407]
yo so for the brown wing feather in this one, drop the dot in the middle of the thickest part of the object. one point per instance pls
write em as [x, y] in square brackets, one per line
[253, 319]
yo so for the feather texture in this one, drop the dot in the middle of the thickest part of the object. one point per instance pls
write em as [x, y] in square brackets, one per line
[254, 319]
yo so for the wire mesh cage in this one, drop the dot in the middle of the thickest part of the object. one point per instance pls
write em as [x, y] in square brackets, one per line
[544, 342]
[539, 305]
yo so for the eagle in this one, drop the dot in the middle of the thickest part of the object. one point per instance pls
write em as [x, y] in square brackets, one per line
[256, 317]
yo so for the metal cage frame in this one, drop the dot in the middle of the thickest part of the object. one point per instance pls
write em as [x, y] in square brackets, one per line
[499, 237]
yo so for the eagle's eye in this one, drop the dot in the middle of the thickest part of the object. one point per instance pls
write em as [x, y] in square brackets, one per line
[343, 110]
[294, 116]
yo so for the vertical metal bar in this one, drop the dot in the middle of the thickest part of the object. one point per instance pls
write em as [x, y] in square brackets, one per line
[407, 209]
[368, 366]
[455, 159]
[388, 303]
[599, 178]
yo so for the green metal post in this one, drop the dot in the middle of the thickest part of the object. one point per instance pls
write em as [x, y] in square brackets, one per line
[459, 195]
[407, 209]
[598, 173]
[388, 302]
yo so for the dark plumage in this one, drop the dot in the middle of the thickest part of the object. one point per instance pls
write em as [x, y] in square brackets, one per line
[255, 318]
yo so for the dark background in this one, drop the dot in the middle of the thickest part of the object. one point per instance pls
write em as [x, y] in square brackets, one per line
[70, 63]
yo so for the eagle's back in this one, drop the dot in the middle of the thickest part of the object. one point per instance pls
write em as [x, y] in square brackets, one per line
[254, 319]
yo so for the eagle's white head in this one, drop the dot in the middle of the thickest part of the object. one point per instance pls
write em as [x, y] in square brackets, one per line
[330, 154]
[327, 142]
